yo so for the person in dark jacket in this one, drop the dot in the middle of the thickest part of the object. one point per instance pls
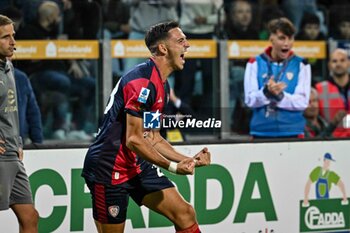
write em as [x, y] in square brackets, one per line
[28, 110]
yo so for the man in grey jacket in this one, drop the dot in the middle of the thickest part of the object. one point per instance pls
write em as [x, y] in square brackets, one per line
[14, 183]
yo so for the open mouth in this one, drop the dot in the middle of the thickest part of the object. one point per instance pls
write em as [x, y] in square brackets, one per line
[285, 50]
[182, 56]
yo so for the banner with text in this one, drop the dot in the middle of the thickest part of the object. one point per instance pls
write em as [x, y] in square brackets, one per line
[137, 48]
[240, 49]
[56, 49]
[248, 188]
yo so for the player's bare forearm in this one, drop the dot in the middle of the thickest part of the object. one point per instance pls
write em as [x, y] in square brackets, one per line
[143, 148]
[137, 143]
[163, 147]
[202, 158]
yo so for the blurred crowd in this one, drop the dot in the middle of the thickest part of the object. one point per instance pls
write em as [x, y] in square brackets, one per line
[65, 90]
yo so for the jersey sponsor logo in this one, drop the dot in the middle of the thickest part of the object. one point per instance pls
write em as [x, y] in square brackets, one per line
[151, 120]
[160, 100]
[144, 93]
[113, 210]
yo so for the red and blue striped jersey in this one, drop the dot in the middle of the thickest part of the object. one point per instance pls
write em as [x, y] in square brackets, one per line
[108, 160]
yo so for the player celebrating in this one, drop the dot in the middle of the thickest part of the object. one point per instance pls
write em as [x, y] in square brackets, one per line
[114, 172]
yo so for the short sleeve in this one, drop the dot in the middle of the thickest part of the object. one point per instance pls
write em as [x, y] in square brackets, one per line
[139, 96]
[333, 177]
[315, 174]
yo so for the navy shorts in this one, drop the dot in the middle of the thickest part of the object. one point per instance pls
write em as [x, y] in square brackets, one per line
[110, 202]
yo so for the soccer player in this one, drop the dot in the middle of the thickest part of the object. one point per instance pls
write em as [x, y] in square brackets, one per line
[123, 161]
[14, 183]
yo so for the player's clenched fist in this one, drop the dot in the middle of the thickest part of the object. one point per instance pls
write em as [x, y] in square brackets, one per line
[202, 158]
[186, 166]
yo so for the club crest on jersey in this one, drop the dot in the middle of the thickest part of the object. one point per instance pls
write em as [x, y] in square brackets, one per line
[290, 75]
[113, 210]
[144, 93]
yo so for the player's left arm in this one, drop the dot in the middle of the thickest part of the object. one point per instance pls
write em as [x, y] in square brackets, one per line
[202, 158]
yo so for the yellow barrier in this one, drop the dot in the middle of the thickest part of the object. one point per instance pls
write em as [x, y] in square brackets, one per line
[56, 49]
[137, 48]
[89, 49]
[240, 49]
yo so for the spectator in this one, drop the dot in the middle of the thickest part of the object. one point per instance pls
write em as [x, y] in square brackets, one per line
[334, 92]
[77, 20]
[269, 13]
[310, 30]
[47, 80]
[338, 19]
[28, 109]
[316, 125]
[30, 10]
[198, 20]
[58, 78]
[343, 28]
[296, 8]
[277, 86]
[116, 26]
[116, 19]
[238, 24]
[145, 13]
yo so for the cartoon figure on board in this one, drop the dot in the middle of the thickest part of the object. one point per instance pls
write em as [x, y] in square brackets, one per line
[324, 179]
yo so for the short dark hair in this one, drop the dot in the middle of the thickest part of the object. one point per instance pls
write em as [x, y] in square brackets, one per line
[281, 24]
[157, 33]
[4, 20]
[309, 18]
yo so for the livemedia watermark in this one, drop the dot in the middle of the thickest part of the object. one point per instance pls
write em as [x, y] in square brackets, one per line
[157, 120]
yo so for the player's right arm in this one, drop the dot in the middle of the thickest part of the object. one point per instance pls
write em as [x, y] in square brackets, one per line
[136, 142]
